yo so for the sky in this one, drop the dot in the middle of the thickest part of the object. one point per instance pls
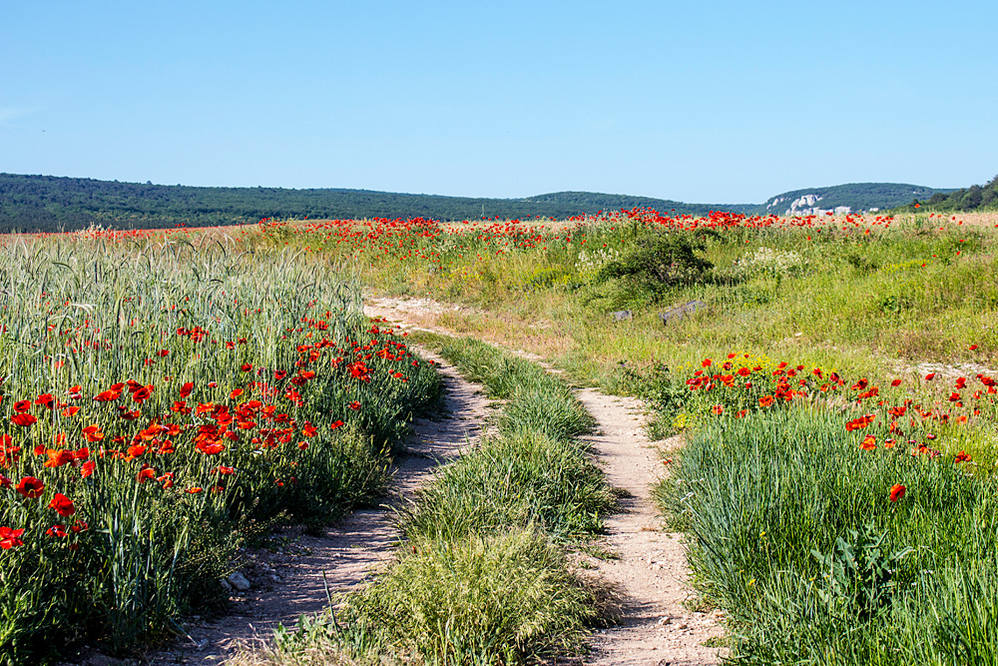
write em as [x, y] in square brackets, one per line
[714, 102]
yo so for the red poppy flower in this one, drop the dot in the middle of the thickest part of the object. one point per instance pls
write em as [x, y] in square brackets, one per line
[142, 393]
[23, 420]
[30, 487]
[186, 389]
[354, 405]
[335, 424]
[766, 401]
[10, 538]
[869, 443]
[961, 457]
[897, 492]
[57, 531]
[87, 469]
[22, 405]
[896, 383]
[107, 396]
[62, 505]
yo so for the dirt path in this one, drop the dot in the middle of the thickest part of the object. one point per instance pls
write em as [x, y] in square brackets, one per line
[650, 570]
[287, 585]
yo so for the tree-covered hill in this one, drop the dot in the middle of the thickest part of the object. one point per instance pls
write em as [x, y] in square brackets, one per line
[50, 203]
[975, 197]
[855, 196]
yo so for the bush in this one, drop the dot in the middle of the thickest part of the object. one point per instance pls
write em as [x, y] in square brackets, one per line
[657, 263]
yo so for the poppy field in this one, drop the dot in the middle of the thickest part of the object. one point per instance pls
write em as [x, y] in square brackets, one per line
[839, 505]
[162, 402]
[168, 394]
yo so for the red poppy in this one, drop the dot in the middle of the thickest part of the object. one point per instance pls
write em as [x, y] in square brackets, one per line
[22, 405]
[869, 443]
[961, 457]
[335, 424]
[766, 401]
[10, 538]
[87, 469]
[23, 420]
[896, 383]
[897, 492]
[57, 531]
[62, 505]
[142, 393]
[30, 487]
[186, 389]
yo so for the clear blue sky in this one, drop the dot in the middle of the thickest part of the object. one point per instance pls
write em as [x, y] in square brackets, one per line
[717, 102]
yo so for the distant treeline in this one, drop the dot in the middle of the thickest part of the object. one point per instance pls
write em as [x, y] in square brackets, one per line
[975, 197]
[49, 203]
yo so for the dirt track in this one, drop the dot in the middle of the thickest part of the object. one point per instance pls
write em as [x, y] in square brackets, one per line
[288, 585]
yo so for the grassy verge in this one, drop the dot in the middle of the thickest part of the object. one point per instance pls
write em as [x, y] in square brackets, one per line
[482, 577]
[823, 551]
[160, 404]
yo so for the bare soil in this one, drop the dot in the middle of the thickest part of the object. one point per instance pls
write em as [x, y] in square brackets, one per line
[294, 581]
[650, 571]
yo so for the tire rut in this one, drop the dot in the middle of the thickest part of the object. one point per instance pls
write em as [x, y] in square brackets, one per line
[649, 570]
[345, 555]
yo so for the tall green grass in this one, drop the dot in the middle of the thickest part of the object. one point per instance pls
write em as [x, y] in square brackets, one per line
[795, 536]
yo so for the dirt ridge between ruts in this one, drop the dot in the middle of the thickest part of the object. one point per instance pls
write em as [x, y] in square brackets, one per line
[649, 570]
[344, 556]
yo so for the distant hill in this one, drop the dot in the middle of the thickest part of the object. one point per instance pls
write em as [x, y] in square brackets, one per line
[852, 196]
[50, 203]
[975, 197]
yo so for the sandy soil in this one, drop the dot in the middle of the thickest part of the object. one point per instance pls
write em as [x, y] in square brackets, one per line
[650, 570]
[294, 582]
